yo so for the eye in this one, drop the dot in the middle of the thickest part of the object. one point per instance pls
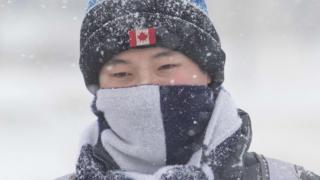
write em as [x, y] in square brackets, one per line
[168, 66]
[121, 75]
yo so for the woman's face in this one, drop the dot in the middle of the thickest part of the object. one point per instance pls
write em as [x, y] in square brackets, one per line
[156, 66]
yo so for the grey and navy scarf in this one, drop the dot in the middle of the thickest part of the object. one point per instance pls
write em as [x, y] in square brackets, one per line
[184, 132]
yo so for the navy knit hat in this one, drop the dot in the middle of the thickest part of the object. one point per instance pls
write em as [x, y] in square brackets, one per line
[113, 26]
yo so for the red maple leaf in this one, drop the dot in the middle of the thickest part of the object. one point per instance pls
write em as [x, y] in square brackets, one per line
[142, 36]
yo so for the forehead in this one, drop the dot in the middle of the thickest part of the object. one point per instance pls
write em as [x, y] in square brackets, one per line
[141, 55]
[145, 52]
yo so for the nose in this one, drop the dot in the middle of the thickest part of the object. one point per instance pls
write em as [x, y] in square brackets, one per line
[146, 76]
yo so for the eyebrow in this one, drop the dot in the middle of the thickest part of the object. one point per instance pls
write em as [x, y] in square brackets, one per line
[163, 54]
[117, 61]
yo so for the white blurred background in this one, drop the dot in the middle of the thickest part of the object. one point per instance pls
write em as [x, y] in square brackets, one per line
[272, 71]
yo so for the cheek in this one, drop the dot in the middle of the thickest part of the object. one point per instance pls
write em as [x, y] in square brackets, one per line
[181, 78]
[188, 78]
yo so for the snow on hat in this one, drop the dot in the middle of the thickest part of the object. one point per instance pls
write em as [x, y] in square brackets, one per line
[113, 26]
[201, 4]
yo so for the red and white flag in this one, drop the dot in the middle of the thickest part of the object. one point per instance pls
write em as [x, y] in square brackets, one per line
[142, 37]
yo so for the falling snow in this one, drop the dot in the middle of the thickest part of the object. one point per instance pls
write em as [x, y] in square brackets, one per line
[40, 80]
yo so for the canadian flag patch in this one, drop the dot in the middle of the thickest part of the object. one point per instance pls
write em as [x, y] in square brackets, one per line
[142, 37]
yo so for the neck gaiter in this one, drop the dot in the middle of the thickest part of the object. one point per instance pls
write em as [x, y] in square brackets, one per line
[153, 126]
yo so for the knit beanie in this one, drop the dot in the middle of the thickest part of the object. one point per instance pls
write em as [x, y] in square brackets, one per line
[113, 26]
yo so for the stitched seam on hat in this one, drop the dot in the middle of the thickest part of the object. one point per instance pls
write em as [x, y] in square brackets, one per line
[167, 16]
